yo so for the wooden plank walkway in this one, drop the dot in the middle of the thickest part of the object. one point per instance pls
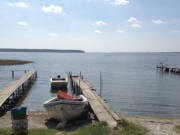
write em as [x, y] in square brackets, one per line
[7, 91]
[98, 105]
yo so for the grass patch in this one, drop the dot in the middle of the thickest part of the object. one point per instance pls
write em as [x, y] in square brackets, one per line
[129, 128]
[42, 131]
[123, 128]
[100, 128]
[177, 129]
[8, 131]
[14, 62]
[5, 131]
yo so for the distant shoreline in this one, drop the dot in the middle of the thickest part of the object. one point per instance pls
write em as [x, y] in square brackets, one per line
[13, 62]
[40, 50]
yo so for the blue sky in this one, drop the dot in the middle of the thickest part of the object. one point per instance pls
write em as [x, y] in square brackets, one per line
[91, 25]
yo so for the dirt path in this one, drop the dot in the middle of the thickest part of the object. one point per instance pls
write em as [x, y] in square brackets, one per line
[156, 125]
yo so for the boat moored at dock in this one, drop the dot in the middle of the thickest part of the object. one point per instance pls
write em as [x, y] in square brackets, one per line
[65, 109]
[58, 82]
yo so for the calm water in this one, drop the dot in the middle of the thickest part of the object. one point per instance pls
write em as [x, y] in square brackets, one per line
[131, 83]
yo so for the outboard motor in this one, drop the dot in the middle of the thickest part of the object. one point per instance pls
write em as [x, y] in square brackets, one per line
[58, 76]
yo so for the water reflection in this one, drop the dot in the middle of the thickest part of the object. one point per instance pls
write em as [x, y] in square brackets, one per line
[55, 90]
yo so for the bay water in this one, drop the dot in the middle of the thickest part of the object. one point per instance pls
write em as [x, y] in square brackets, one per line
[131, 82]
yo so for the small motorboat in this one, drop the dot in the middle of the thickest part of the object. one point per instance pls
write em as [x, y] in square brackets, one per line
[64, 107]
[58, 82]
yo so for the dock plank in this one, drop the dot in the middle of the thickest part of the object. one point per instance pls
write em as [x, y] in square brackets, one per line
[100, 108]
[113, 114]
[8, 90]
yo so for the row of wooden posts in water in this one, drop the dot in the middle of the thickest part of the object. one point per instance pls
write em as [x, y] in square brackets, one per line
[168, 69]
[97, 105]
[10, 94]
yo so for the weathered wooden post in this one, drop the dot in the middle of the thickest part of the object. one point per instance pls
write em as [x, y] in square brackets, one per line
[100, 85]
[12, 73]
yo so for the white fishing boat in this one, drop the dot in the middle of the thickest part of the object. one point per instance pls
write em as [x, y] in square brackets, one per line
[58, 82]
[65, 109]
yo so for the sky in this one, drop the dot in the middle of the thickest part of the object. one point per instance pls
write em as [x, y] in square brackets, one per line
[91, 25]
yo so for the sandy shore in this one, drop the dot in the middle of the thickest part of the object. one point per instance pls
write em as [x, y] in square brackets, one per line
[40, 119]
[156, 125]
[37, 119]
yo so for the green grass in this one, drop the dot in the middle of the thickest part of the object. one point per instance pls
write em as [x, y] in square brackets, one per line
[177, 129]
[13, 62]
[42, 131]
[5, 131]
[100, 128]
[129, 128]
[8, 131]
[123, 128]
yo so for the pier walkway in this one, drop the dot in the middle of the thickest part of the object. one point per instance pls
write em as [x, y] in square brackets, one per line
[98, 105]
[167, 68]
[12, 92]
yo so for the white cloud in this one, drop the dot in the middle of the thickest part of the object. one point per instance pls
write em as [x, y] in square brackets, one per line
[54, 35]
[121, 2]
[158, 22]
[135, 25]
[98, 31]
[22, 23]
[52, 9]
[19, 4]
[134, 20]
[120, 31]
[100, 23]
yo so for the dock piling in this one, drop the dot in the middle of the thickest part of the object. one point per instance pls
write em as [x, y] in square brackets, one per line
[12, 74]
[163, 68]
[101, 110]
[10, 94]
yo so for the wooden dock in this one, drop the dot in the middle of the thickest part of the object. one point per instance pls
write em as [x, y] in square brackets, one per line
[168, 69]
[98, 105]
[10, 94]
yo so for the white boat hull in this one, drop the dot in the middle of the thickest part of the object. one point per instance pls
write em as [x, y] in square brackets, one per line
[58, 82]
[65, 109]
